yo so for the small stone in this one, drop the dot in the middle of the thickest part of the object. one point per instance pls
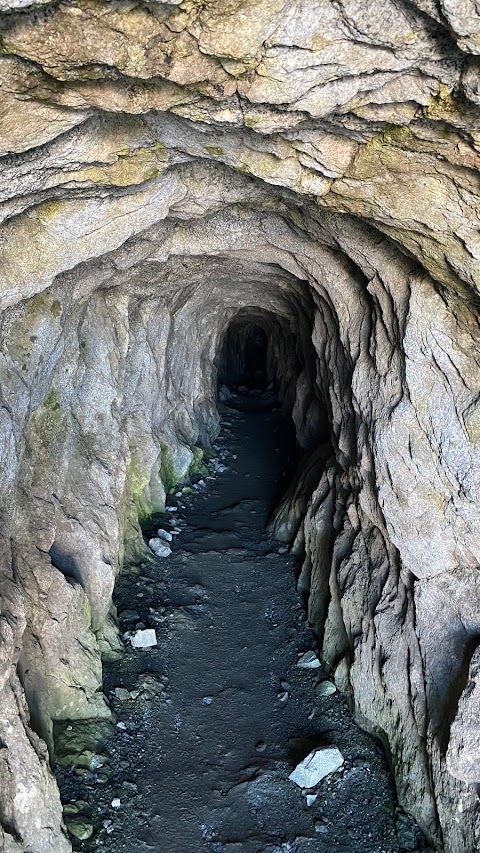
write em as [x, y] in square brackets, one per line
[116, 803]
[170, 509]
[121, 694]
[308, 660]
[144, 639]
[96, 762]
[283, 549]
[283, 697]
[159, 548]
[164, 534]
[261, 746]
[311, 799]
[318, 764]
[129, 616]
[81, 829]
[207, 700]
[122, 727]
[325, 688]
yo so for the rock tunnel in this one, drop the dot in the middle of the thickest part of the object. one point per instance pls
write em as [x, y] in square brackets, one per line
[275, 195]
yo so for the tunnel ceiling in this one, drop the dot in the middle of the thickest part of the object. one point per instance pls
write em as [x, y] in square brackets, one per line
[163, 167]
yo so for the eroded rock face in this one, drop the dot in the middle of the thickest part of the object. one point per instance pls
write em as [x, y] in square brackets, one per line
[313, 171]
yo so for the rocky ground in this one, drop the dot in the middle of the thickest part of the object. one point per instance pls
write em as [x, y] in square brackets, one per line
[211, 721]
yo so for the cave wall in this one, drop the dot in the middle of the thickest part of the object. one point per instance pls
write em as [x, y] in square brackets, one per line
[163, 169]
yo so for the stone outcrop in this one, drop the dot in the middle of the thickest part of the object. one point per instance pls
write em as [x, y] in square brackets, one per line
[310, 168]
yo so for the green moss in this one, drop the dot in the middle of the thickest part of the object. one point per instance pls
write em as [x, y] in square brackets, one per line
[48, 423]
[214, 150]
[56, 308]
[251, 121]
[197, 465]
[243, 168]
[167, 469]
[296, 217]
[138, 480]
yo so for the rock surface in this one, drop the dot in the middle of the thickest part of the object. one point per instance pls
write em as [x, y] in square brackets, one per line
[309, 169]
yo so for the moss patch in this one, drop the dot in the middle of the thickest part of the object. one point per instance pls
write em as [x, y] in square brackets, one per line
[138, 480]
[48, 423]
[214, 150]
[167, 469]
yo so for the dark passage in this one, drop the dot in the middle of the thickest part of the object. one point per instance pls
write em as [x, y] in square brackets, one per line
[213, 719]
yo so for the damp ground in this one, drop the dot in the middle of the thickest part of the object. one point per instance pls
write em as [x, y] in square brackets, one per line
[211, 721]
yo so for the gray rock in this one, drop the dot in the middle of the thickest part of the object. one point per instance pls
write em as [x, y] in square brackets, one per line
[325, 688]
[144, 639]
[165, 535]
[308, 660]
[159, 548]
[318, 764]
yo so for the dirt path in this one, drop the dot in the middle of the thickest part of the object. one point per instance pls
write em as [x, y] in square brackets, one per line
[220, 713]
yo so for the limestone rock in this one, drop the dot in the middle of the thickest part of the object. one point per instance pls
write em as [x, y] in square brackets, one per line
[144, 639]
[318, 764]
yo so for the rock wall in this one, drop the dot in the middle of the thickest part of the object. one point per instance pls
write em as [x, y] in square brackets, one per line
[166, 169]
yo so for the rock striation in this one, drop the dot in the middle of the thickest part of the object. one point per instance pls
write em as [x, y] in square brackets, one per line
[174, 170]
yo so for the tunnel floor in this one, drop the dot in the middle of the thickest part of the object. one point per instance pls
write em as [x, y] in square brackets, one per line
[212, 720]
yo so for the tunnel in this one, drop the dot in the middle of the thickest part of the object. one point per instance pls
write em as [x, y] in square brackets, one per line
[240, 421]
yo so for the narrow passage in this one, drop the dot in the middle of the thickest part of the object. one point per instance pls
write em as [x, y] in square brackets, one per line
[211, 721]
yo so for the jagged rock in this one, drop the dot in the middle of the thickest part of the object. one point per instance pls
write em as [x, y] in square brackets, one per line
[308, 660]
[318, 764]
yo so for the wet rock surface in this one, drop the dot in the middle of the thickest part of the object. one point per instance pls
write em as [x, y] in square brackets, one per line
[204, 740]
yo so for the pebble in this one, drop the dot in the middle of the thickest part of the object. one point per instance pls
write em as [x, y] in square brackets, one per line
[159, 548]
[81, 829]
[309, 660]
[311, 799]
[122, 727]
[164, 534]
[261, 746]
[283, 697]
[121, 694]
[116, 803]
[325, 688]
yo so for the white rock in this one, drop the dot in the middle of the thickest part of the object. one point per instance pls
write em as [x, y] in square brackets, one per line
[144, 639]
[317, 765]
[161, 549]
[308, 660]
[164, 534]
[325, 688]
[311, 799]
[116, 803]
[170, 509]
